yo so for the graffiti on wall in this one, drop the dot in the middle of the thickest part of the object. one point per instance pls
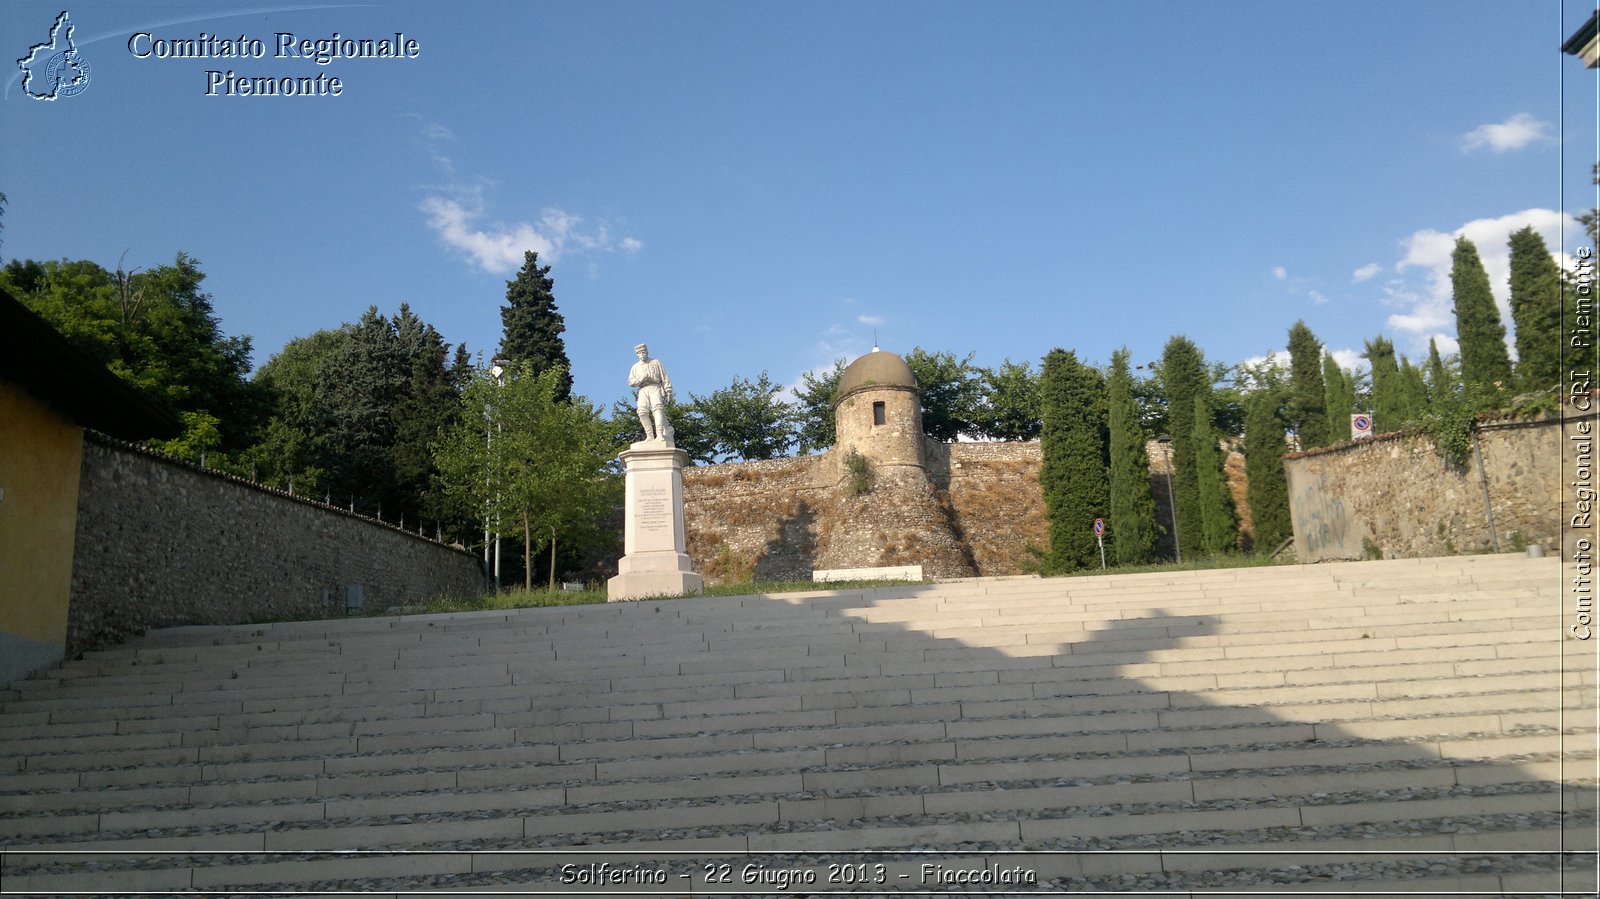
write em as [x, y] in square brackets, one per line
[1323, 527]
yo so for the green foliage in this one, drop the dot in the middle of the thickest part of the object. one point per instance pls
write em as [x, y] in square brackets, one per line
[158, 331]
[1448, 423]
[1442, 376]
[858, 473]
[1268, 491]
[355, 411]
[1536, 312]
[201, 436]
[952, 393]
[1591, 219]
[814, 407]
[1397, 396]
[1073, 471]
[532, 325]
[1339, 391]
[1219, 521]
[1308, 402]
[530, 459]
[690, 433]
[1485, 365]
[1183, 377]
[1010, 405]
[1131, 527]
[747, 420]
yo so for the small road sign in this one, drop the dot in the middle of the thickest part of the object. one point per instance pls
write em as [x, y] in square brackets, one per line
[1360, 426]
[1099, 526]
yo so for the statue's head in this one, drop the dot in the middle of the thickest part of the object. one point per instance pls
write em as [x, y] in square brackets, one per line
[643, 351]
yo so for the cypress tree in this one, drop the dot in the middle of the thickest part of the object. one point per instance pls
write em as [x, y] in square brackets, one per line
[1340, 389]
[1413, 392]
[1072, 443]
[1440, 378]
[1219, 520]
[1535, 311]
[1268, 492]
[1485, 365]
[1133, 508]
[1308, 409]
[532, 324]
[1388, 401]
[1183, 376]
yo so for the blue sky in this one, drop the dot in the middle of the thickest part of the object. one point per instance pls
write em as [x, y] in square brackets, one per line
[762, 186]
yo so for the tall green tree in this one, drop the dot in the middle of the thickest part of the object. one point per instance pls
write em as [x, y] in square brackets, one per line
[1219, 520]
[1183, 377]
[532, 325]
[1441, 377]
[1485, 364]
[1339, 388]
[1072, 473]
[814, 407]
[157, 330]
[747, 421]
[1389, 409]
[1535, 311]
[533, 460]
[1268, 491]
[952, 393]
[1009, 409]
[1308, 410]
[1132, 526]
[1413, 391]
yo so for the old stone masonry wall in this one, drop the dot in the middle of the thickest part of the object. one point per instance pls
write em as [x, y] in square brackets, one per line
[161, 542]
[1394, 497]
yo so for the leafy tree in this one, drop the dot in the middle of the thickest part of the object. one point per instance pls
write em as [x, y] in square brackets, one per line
[1535, 311]
[532, 324]
[1485, 365]
[158, 331]
[1009, 409]
[747, 421]
[355, 413]
[1308, 411]
[1219, 520]
[1413, 392]
[528, 457]
[1389, 399]
[1132, 524]
[1268, 491]
[1073, 471]
[1183, 377]
[1339, 389]
[952, 393]
[814, 407]
[1441, 377]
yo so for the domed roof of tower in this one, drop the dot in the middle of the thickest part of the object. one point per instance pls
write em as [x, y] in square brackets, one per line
[875, 369]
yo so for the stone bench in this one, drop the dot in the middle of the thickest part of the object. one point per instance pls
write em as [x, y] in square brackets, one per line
[885, 573]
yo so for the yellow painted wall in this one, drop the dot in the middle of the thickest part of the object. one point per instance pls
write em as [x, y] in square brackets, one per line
[41, 454]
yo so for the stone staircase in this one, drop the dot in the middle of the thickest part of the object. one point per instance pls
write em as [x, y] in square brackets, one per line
[1365, 728]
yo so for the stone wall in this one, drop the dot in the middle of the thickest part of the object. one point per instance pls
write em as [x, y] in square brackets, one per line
[1393, 496]
[161, 542]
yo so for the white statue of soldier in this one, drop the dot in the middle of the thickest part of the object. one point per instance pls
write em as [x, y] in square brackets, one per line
[655, 392]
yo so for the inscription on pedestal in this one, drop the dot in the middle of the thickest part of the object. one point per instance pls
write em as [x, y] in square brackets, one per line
[653, 512]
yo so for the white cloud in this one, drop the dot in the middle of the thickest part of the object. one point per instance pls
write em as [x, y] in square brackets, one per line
[873, 320]
[1349, 359]
[1317, 298]
[500, 248]
[1423, 293]
[1514, 133]
[1366, 272]
[1281, 273]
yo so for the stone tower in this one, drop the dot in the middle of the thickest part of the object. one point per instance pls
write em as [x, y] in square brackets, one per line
[901, 519]
[877, 411]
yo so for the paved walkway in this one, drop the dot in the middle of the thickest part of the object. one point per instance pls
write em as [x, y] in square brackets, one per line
[1356, 729]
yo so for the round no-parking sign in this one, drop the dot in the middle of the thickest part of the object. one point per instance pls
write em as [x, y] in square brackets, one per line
[1360, 426]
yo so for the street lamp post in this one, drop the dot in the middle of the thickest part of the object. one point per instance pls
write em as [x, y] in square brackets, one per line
[498, 370]
[1172, 501]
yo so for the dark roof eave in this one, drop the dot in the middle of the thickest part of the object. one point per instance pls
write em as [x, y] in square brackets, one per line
[1581, 38]
[36, 356]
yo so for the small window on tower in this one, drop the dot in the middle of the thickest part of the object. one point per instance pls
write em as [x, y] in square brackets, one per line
[877, 414]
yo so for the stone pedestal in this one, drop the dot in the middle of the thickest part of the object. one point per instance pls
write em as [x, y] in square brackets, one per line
[655, 563]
